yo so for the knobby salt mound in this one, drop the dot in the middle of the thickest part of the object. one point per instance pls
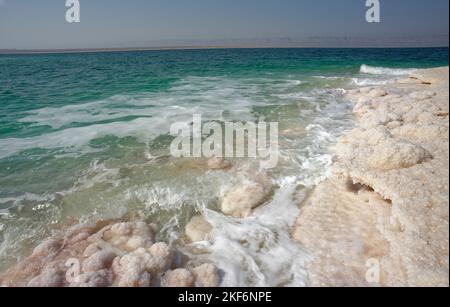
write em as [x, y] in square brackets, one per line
[240, 201]
[120, 254]
[388, 200]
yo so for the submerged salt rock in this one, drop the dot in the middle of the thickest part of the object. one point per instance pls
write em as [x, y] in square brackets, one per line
[48, 247]
[219, 164]
[127, 236]
[198, 229]
[240, 201]
[178, 278]
[294, 131]
[206, 275]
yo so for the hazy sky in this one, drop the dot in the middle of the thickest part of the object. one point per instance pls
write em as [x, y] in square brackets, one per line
[131, 23]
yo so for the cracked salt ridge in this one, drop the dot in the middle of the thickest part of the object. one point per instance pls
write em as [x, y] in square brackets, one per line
[398, 213]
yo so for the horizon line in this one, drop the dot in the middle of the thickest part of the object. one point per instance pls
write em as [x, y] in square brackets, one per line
[6, 51]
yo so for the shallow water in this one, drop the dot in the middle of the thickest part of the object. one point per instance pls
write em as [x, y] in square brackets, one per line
[85, 137]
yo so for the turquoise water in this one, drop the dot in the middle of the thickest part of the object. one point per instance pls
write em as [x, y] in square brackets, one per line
[85, 136]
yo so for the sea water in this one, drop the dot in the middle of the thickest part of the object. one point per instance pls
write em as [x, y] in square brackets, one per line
[85, 137]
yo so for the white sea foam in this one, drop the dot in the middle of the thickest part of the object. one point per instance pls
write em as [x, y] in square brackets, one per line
[384, 71]
[154, 112]
[144, 129]
[258, 251]
[369, 81]
[329, 77]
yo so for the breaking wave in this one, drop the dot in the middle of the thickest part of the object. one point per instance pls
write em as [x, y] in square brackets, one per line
[366, 69]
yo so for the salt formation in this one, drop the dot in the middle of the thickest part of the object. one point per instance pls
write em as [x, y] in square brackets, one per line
[388, 200]
[178, 278]
[251, 193]
[205, 275]
[198, 229]
[118, 254]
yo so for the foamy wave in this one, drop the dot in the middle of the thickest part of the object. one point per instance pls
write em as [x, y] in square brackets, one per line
[369, 82]
[258, 251]
[384, 71]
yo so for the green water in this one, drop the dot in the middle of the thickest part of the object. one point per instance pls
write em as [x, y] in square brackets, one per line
[86, 136]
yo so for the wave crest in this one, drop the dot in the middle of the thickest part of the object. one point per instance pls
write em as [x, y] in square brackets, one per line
[384, 70]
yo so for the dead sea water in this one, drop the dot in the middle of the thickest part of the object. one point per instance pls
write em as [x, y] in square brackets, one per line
[85, 137]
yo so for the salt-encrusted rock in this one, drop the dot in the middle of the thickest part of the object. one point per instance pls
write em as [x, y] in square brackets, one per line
[51, 277]
[99, 261]
[376, 149]
[424, 133]
[198, 229]
[365, 90]
[161, 250]
[240, 201]
[409, 80]
[97, 279]
[377, 92]
[422, 95]
[362, 107]
[353, 92]
[393, 154]
[178, 278]
[131, 270]
[206, 275]
[126, 236]
[135, 269]
[397, 218]
[120, 254]
[163, 257]
[91, 250]
[219, 164]
[78, 234]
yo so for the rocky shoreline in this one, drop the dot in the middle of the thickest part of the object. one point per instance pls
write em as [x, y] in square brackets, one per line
[385, 208]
